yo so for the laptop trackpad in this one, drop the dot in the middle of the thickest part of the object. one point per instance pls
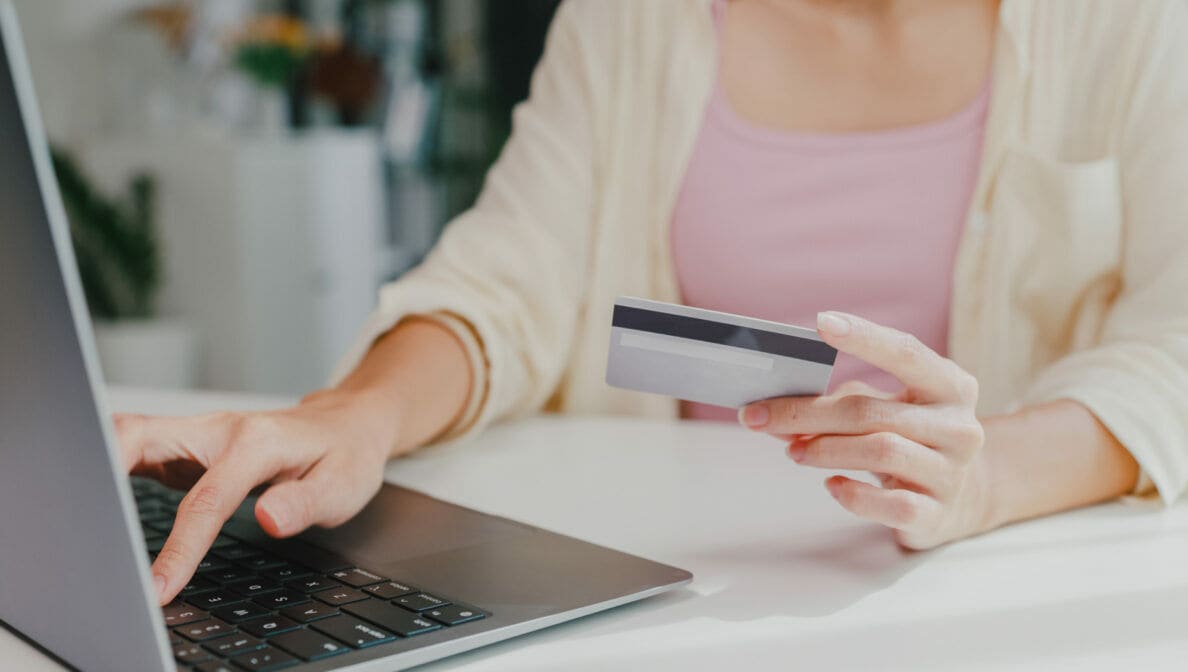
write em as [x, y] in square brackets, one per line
[400, 524]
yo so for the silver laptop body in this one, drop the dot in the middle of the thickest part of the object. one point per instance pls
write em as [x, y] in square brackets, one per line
[74, 572]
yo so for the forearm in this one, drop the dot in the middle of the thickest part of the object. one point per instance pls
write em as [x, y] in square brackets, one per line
[1051, 458]
[412, 384]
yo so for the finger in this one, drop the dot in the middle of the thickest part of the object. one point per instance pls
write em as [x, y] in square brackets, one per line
[200, 516]
[859, 388]
[858, 414]
[847, 389]
[898, 509]
[126, 426]
[329, 495]
[933, 378]
[147, 440]
[884, 453]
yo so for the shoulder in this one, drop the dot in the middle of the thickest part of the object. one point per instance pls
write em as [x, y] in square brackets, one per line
[631, 50]
[629, 28]
[603, 14]
[1099, 30]
[1094, 66]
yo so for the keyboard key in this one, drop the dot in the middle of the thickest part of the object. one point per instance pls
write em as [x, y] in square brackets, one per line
[174, 640]
[171, 497]
[353, 631]
[227, 574]
[222, 541]
[308, 644]
[340, 596]
[455, 614]
[161, 526]
[268, 625]
[304, 613]
[357, 578]
[234, 552]
[190, 653]
[210, 564]
[214, 598]
[260, 562]
[421, 602]
[178, 613]
[240, 612]
[155, 515]
[253, 586]
[197, 585]
[285, 572]
[317, 559]
[393, 618]
[233, 645]
[279, 599]
[204, 630]
[390, 589]
[313, 584]
[147, 497]
[215, 666]
[148, 523]
[265, 660]
[156, 545]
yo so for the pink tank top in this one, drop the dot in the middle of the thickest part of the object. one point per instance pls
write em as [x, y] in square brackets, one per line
[783, 225]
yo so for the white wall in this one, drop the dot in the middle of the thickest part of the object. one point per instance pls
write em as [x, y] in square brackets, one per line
[61, 36]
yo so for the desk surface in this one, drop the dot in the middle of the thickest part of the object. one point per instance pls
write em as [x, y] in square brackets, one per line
[783, 577]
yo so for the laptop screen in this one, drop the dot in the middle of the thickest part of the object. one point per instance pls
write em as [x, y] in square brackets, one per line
[71, 570]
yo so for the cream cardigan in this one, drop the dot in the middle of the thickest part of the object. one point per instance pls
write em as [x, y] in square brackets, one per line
[1071, 278]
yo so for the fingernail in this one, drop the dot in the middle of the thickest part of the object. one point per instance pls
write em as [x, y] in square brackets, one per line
[754, 416]
[832, 486]
[278, 519]
[833, 323]
[796, 450]
[159, 583]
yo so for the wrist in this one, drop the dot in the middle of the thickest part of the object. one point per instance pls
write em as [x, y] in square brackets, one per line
[992, 510]
[1000, 501]
[374, 413]
[413, 383]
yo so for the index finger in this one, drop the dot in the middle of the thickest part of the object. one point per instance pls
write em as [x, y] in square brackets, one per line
[200, 517]
[928, 375]
[148, 440]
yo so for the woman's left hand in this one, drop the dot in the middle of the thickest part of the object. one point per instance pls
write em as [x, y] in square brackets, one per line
[924, 444]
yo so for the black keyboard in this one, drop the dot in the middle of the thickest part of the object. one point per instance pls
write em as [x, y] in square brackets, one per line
[251, 608]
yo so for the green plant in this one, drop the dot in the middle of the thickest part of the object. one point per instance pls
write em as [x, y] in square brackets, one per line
[114, 241]
[273, 49]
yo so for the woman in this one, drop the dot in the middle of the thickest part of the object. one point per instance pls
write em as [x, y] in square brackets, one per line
[998, 189]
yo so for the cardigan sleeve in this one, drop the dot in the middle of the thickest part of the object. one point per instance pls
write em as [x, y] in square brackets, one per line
[1136, 379]
[508, 275]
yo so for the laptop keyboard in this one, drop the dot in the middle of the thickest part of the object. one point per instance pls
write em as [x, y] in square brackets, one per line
[251, 609]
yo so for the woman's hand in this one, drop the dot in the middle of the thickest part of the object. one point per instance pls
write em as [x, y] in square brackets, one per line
[925, 444]
[323, 458]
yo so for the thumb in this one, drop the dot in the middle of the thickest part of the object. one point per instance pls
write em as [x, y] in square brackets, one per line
[321, 497]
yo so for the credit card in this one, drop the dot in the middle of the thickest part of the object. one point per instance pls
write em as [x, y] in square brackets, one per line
[713, 358]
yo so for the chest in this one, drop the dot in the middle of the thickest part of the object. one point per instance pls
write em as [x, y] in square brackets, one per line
[797, 66]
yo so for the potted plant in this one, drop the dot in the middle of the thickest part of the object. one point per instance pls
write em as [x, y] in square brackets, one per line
[119, 262]
[272, 51]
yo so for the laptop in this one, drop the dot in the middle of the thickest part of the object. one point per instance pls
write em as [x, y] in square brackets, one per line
[410, 580]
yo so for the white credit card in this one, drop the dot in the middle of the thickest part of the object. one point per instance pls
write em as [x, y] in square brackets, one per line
[711, 357]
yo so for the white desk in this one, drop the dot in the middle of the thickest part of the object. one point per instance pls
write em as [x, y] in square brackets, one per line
[784, 578]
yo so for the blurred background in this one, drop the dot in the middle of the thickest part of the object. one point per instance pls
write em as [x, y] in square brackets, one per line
[242, 175]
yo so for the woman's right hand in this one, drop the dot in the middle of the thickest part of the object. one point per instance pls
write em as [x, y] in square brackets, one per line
[323, 460]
